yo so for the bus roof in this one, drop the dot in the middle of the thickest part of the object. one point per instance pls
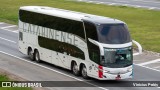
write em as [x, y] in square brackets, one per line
[70, 14]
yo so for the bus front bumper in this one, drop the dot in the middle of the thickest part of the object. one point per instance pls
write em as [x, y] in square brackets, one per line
[108, 76]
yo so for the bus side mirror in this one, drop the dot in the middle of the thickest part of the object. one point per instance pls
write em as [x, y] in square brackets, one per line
[139, 47]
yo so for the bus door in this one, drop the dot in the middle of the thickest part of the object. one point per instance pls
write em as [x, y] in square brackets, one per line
[93, 66]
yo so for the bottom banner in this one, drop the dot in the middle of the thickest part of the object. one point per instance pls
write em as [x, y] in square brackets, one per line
[80, 83]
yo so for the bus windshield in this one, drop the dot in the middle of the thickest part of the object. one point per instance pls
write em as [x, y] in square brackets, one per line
[117, 58]
[113, 33]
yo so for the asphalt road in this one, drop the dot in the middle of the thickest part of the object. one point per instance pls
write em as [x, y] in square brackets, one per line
[13, 61]
[149, 4]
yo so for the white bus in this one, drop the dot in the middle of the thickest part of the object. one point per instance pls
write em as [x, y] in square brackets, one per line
[89, 45]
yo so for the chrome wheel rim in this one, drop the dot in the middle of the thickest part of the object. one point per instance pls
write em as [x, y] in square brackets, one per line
[75, 68]
[30, 54]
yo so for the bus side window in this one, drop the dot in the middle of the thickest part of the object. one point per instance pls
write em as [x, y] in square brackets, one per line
[20, 36]
[91, 31]
[95, 56]
[93, 50]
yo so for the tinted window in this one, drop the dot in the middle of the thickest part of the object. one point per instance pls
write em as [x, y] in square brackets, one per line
[61, 47]
[53, 22]
[91, 31]
[93, 50]
[113, 34]
[20, 36]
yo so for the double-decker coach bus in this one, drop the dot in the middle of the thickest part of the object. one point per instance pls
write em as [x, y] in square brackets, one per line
[89, 45]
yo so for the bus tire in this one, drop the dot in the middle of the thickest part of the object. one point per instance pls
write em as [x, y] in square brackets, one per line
[37, 56]
[75, 69]
[84, 72]
[30, 53]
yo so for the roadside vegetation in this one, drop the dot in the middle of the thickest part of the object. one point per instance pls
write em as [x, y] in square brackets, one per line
[144, 24]
[5, 78]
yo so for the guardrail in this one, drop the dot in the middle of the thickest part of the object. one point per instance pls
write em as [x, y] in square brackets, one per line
[139, 47]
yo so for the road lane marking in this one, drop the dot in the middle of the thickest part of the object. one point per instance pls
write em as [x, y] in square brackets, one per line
[135, 54]
[112, 4]
[131, 1]
[96, 2]
[1, 23]
[147, 1]
[99, 2]
[152, 8]
[16, 31]
[138, 6]
[8, 26]
[149, 68]
[90, 1]
[156, 67]
[51, 69]
[8, 40]
[123, 4]
[149, 62]
[119, 1]
[9, 30]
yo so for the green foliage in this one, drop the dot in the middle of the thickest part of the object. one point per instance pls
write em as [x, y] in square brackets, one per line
[5, 78]
[144, 24]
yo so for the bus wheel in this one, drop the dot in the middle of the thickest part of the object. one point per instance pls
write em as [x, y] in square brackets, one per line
[75, 69]
[30, 54]
[84, 72]
[37, 57]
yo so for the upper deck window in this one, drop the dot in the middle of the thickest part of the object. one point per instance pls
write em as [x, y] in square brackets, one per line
[53, 22]
[113, 33]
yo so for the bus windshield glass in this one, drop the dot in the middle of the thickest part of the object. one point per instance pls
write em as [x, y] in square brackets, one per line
[113, 34]
[117, 58]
